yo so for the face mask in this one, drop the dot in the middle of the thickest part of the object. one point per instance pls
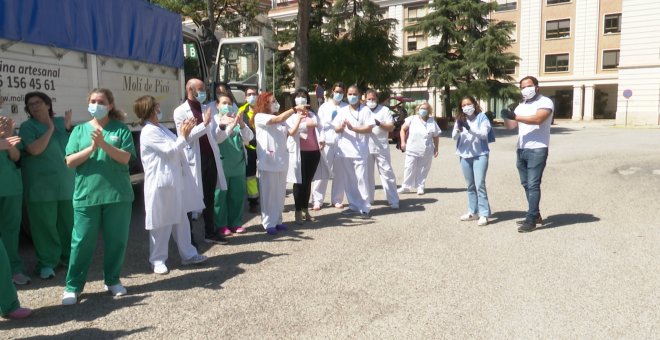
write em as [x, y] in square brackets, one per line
[97, 111]
[423, 113]
[201, 96]
[528, 92]
[225, 109]
[301, 101]
[251, 99]
[338, 96]
[159, 115]
[352, 99]
[275, 107]
[468, 110]
[371, 104]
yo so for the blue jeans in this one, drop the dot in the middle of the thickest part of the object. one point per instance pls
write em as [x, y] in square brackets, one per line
[530, 164]
[474, 170]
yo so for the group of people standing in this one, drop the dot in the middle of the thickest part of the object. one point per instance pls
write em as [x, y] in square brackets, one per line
[75, 180]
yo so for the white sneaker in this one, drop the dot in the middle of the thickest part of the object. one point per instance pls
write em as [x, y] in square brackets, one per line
[420, 191]
[161, 269]
[69, 298]
[402, 190]
[469, 217]
[194, 260]
[115, 290]
[482, 221]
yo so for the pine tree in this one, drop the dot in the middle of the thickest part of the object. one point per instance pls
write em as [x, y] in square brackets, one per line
[471, 53]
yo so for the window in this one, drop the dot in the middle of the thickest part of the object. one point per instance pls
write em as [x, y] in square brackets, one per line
[556, 62]
[610, 59]
[415, 13]
[555, 2]
[556, 29]
[415, 41]
[506, 5]
[612, 23]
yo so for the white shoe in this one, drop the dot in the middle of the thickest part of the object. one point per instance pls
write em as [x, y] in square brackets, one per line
[482, 221]
[394, 206]
[161, 269]
[420, 191]
[194, 260]
[69, 298]
[469, 217]
[402, 190]
[115, 290]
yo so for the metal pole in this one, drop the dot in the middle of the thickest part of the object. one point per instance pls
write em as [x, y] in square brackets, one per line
[626, 123]
[274, 70]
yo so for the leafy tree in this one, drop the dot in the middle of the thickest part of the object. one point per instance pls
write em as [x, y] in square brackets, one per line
[234, 16]
[470, 55]
[349, 41]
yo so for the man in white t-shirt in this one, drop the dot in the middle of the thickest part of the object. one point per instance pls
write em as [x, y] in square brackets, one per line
[379, 149]
[353, 126]
[533, 117]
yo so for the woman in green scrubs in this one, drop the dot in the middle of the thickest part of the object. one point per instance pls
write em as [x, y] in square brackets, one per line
[11, 198]
[99, 150]
[47, 182]
[232, 136]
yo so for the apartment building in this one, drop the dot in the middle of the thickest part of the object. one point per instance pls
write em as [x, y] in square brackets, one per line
[597, 59]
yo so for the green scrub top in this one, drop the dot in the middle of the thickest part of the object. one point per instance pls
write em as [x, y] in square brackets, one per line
[100, 179]
[10, 176]
[233, 154]
[46, 177]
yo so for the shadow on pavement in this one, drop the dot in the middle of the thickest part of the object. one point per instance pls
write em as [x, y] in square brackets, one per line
[565, 220]
[92, 306]
[91, 333]
[549, 222]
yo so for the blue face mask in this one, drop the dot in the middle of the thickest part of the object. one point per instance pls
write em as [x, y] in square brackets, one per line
[225, 109]
[423, 113]
[338, 96]
[251, 99]
[97, 111]
[352, 99]
[201, 96]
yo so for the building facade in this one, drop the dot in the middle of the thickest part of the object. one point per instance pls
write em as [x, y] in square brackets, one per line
[586, 53]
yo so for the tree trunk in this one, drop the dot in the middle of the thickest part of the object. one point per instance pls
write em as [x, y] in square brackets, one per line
[301, 50]
[447, 101]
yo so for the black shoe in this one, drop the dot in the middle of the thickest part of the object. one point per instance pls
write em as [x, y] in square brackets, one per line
[538, 221]
[217, 239]
[527, 226]
[194, 244]
[254, 209]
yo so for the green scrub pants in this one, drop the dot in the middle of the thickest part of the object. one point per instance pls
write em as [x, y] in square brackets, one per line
[230, 204]
[51, 224]
[114, 219]
[11, 210]
[8, 298]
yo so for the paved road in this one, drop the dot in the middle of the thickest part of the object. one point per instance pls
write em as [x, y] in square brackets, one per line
[592, 272]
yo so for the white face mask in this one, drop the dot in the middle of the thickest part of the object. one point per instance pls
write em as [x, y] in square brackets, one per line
[468, 110]
[274, 107]
[352, 99]
[251, 99]
[423, 113]
[371, 104]
[301, 101]
[159, 115]
[528, 92]
[337, 96]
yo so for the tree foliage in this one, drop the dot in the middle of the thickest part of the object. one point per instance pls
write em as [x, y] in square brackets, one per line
[470, 55]
[350, 41]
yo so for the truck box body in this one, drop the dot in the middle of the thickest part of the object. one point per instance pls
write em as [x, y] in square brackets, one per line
[65, 48]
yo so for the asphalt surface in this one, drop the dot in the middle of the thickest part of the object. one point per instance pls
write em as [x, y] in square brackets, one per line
[592, 271]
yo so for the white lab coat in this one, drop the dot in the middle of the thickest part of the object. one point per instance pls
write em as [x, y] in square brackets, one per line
[192, 152]
[294, 174]
[170, 189]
